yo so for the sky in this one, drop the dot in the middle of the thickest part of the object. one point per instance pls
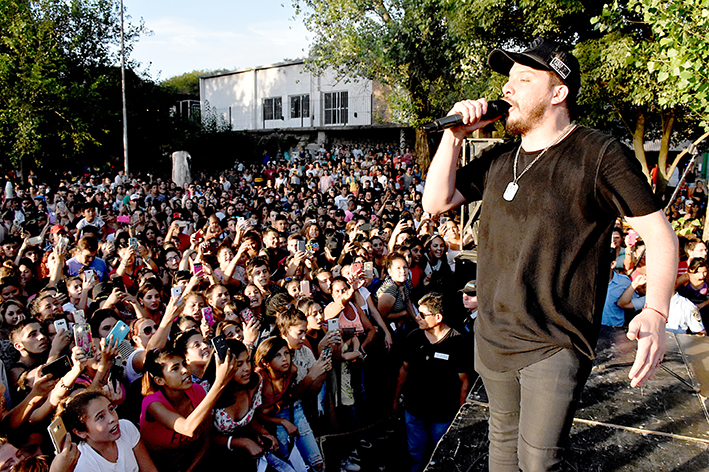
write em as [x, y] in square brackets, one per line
[215, 34]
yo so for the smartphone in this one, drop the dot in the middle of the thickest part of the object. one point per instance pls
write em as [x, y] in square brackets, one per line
[182, 224]
[89, 274]
[79, 317]
[123, 219]
[176, 291]
[133, 243]
[117, 282]
[301, 246]
[198, 269]
[428, 271]
[64, 241]
[57, 369]
[369, 270]
[208, 315]
[118, 332]
[246, 315]
[57, 432]
[356, 268]
[305, 287]
[365, 227]
[117, 373]
[220, 347]
[240, 220]
[60, 325]
[443, 220]
[632, 237]
[82, 338]
[35, 241]
[333, 324]
[327, 352]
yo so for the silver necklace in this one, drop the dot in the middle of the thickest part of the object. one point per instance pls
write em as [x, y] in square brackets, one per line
[513, 187]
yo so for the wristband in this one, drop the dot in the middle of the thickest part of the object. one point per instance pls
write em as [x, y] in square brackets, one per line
[228, 443]
[656, 311]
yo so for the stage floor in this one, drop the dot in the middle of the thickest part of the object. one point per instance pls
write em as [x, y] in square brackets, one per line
[662, 426]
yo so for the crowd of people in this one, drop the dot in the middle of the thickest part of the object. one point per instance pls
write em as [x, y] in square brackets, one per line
[244, 315]
[237, 318]
[689, 306]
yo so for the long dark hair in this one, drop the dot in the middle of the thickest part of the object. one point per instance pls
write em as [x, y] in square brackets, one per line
[74, 412]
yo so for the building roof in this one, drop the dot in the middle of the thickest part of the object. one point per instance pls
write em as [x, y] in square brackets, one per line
[250, 69]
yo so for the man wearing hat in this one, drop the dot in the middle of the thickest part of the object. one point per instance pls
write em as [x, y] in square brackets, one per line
[550, 203]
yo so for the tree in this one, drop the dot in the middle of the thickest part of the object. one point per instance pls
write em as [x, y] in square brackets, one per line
[654, 63]
[56, 58]
[186, 84]
[404, 44]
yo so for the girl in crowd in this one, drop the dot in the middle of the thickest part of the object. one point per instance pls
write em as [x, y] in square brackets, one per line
[175, 409]
[393, 296]
[106, 443]
[149, 303]
[315, 332]
[273, 364]
[190, 344]
[11, 313]
[241, 438]
[440, 269]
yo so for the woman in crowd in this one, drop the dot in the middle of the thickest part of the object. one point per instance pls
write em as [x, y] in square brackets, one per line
[436, 251]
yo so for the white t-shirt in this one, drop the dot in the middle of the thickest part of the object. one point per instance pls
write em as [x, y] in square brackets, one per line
[92, 461]
[304, 359]
[131, 373]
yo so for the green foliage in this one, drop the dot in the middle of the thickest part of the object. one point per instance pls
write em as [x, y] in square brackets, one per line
[55, 77]
[188, 83]
[405, 44]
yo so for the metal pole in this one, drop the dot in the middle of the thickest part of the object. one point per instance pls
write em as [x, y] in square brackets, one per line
[123, 96]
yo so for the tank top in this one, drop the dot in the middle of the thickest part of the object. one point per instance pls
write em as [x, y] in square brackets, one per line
[350, 327]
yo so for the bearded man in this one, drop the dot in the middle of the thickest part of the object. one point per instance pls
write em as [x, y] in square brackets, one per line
[550, 202]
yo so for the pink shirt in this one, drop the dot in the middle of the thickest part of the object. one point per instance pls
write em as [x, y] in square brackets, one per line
[156, 436]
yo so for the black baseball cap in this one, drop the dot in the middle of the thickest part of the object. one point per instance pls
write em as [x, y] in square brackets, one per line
[542, 54]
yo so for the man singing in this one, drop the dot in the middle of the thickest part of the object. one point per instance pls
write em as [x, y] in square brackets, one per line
[550, 201]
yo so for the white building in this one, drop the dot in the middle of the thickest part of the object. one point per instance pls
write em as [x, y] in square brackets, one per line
[288, 96]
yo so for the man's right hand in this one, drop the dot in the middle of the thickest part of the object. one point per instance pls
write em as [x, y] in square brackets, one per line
[472, 111]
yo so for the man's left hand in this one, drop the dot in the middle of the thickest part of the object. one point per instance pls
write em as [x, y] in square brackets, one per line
[648, 328]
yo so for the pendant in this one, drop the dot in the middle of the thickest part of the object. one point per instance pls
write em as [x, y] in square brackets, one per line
[510, 191]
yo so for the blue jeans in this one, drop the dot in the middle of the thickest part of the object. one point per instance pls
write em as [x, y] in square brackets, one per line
[305, 442]
[277, 463]
[422, 437]
[531, 410]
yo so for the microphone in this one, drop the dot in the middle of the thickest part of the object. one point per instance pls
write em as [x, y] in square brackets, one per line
[495, 108]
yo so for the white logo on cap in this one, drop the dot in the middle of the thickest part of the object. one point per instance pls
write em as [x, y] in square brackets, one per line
[560, 68]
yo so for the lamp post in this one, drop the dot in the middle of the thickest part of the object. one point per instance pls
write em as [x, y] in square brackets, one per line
[123, 96]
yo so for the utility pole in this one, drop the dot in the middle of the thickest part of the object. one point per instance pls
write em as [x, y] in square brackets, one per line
[123, 95]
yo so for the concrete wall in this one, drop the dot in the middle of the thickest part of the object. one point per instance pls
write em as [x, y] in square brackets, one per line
[239, 96]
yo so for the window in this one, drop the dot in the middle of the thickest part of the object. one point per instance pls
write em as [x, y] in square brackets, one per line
[272, 108]
[335, 110]
[300, 106]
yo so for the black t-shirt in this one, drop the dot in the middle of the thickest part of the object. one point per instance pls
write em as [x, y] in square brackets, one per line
[432, 388]
[543, 257]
